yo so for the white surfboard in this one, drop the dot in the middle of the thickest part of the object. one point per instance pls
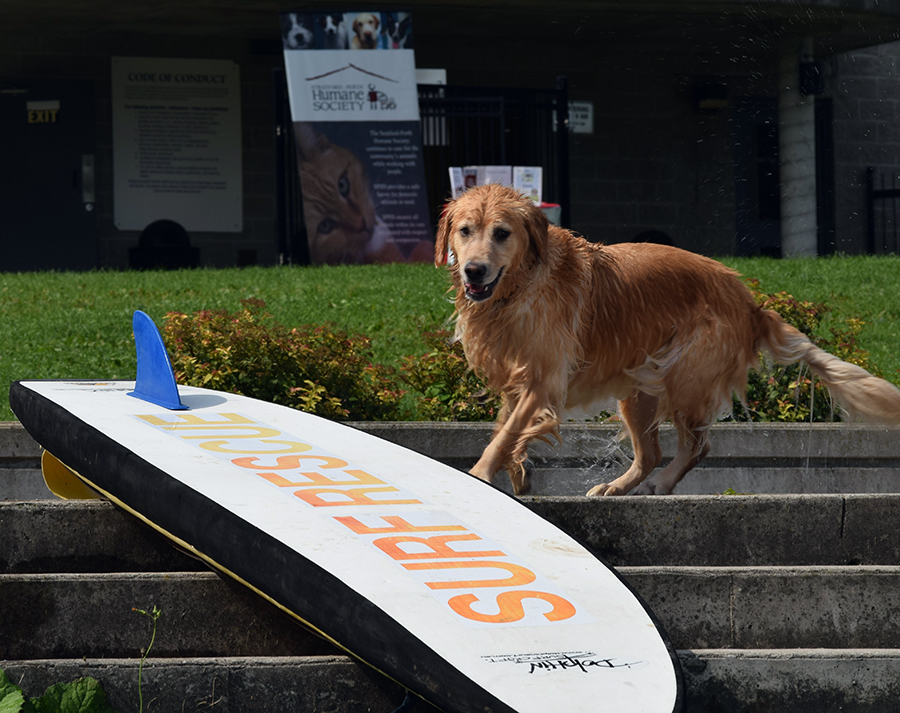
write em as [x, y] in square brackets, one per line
[439, 580]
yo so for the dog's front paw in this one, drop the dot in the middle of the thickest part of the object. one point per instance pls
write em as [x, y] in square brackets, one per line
[604, 489]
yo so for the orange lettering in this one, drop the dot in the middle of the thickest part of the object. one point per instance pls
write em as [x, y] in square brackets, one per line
[290, 462]
[398, 524]
[511, 609]
[437, 544]
[520, 575]
[360, 478]
[354, 496]
[218, 446]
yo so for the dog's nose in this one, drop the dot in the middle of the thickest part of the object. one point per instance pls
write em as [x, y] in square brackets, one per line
[475, 271]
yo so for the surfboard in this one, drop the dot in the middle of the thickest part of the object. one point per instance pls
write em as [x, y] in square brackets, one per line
[437, 579]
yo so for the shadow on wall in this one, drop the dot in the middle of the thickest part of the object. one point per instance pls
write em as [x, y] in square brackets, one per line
[163, 245]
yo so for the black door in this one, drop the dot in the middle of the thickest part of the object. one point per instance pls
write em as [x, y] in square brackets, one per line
[47, 178]
[756, 175]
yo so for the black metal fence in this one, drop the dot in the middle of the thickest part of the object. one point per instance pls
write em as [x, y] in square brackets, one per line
[882, 195]
[461, 126]
[464, 126]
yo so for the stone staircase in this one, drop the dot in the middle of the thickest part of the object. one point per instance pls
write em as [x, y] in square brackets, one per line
[784, 601]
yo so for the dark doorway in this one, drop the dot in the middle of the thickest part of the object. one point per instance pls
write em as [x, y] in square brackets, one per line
[756, 176]
[47, 183]
[825, 174]
[757, 181]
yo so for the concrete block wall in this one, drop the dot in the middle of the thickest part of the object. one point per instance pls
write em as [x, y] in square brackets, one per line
[866, 90]
[653, 162]
[59, 56]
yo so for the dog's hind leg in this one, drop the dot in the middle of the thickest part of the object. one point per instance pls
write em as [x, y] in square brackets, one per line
[638, 412]
[693, 445]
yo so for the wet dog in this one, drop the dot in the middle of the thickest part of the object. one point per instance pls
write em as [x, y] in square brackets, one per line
[562, 326]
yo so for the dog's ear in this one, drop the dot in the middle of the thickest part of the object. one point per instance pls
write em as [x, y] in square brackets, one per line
[537, 227]
[442, 239]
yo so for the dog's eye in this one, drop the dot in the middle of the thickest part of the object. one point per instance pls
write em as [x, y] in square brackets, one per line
[464, 231]
[501, 234]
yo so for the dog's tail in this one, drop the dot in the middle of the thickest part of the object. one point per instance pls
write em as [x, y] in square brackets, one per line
[860, 393]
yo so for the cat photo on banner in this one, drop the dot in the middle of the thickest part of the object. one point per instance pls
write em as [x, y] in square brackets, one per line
[358, 137]
[341, 223]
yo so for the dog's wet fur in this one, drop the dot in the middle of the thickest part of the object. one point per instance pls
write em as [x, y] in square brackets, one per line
[559, 326]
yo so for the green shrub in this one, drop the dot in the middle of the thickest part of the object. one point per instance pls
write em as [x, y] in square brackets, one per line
[328, 372]
[446, 389]
[319, 369]
[83, 695]
[791, 393]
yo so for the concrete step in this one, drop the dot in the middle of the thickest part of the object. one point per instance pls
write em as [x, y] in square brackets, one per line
[314, 684]
[716, 681]
[746, 458]
[701, 530]
[776, 601]
[90, 615]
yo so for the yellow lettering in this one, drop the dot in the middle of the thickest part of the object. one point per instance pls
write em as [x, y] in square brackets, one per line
[190, 420]
[252, 432]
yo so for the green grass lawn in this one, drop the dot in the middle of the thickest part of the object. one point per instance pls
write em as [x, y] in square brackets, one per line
[78, 325]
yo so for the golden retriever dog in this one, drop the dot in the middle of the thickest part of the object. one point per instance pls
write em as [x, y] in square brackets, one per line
[559, 326]
[365, 31]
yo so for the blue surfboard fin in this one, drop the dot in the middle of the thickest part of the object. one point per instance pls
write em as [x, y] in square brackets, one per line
[155, 380]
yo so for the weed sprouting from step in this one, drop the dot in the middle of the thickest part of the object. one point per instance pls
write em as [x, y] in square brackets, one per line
[154, 614]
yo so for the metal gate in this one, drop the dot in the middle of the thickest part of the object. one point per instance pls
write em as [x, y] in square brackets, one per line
[496, 126]
[882, 195]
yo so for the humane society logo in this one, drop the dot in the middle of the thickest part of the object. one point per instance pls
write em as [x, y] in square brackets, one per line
[363, 97]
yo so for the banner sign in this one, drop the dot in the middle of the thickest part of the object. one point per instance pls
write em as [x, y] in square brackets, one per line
[177, 143]
[358, 137]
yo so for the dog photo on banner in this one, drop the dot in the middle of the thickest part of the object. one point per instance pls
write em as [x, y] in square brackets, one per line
[357, 134]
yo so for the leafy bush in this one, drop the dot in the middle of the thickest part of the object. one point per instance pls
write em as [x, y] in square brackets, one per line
[321, 369]
[793, 393]
[83, 695]
[326, 371]
[447, 389]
